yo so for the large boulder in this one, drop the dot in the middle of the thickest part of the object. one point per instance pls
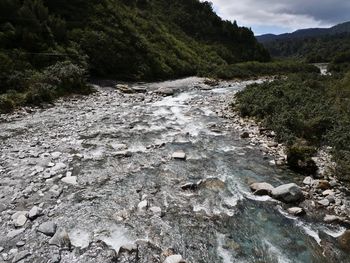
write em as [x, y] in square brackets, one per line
[288, 193]
[261, 188]
[344, 240]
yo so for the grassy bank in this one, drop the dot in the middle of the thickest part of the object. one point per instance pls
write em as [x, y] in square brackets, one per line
[306, 111]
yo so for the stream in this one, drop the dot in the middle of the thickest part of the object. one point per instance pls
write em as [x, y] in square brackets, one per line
[101, 167]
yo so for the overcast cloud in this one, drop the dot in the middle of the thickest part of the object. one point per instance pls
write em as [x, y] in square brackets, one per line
[277, 16]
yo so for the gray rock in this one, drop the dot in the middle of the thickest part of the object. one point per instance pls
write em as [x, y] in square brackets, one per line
[328, 192]
[72, 180]
[331, 218]
[1, 249]
[324, 202]
[165, 91]
[15, 233]
[295, 211]
[21, 255]
[60, 239]
[48, 228]
[174, 259]
[20, 243]
[142, 206]
[308, 180]
[179, 155]
[20, 220]
[156, 210]
[261, 188]
[331, 199]
[288, 193]
[35, 212]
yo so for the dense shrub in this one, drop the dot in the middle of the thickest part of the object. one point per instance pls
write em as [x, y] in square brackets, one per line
[6, 104]
[255, 69]
[305, 107]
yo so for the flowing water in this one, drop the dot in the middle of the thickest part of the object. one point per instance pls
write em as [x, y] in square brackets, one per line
[120, 149]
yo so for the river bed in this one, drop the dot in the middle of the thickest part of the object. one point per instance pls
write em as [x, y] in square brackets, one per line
[124, 193]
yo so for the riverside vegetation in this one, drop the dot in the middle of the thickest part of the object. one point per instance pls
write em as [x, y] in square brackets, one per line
[306, 111]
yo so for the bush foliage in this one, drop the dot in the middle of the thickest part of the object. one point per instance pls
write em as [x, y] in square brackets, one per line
[305, 107]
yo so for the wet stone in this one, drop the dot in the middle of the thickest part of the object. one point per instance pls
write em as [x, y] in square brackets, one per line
[295, 211]
[288, 193]
[261, 188]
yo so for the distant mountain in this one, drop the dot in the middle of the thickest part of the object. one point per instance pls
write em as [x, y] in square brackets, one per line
[307, 33]
[313, 44]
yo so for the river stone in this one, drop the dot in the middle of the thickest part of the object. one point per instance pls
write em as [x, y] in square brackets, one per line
[156, 210]
[72, 180]
[142, 205]
[324, 202]
[328, 192]
[308, 180]
[165, 91]
[295, 211]
[60, 239]
[21, 255]
[261, 188]
[174, 259]
[48, 228]
[15, 233]
[21, 220]
[35, 212]
[344, 241]
[288, 193]
[180, 155]
[212, 183]
[331, 218]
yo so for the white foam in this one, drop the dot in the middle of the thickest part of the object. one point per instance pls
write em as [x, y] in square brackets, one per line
[79, 238]
[224, 254]
[277, 253]
[116, 238]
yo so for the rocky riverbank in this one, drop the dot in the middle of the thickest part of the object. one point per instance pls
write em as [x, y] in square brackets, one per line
[323, 196]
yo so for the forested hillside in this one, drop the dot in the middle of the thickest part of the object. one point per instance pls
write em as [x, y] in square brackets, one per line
[313, 49]
[133, 39]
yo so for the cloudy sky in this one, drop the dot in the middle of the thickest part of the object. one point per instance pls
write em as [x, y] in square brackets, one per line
[280, 16]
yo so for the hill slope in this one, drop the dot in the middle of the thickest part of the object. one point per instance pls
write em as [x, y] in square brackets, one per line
[122, 39]
[306, 33]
